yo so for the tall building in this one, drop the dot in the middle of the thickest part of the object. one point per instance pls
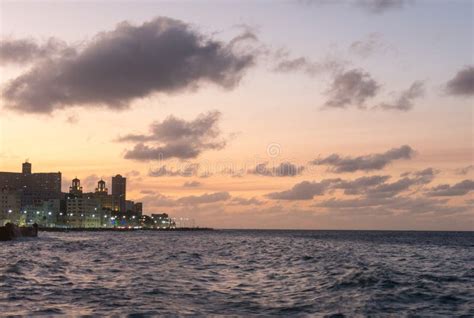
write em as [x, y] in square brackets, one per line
[119, 190]
[34, 187]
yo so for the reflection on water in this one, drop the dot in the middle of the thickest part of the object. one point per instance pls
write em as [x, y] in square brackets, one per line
[239, 273]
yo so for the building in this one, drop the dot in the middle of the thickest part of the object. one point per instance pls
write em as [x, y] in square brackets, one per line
[34, 187]
[119, 191]
[138, 207]
[129, 206]
[83, 210]
[45, 214]
[162, 221]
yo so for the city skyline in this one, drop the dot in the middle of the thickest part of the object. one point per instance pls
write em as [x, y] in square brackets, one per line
[243, 117]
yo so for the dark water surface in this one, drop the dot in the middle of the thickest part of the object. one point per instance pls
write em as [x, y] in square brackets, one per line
[270, 273]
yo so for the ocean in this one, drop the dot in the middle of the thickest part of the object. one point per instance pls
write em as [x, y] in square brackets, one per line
[239, 273]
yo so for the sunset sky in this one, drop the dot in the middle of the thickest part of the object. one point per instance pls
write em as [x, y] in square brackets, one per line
[250, 114]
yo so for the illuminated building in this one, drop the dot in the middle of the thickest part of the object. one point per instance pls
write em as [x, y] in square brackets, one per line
[162, 221]
[44, 214]
[82, 210]
[10, 204]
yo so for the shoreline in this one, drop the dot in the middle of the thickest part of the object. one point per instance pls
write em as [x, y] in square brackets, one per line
[183, 229]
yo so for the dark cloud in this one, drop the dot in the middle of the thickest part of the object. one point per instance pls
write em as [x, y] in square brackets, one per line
[462, 84]
[370, 162]
[458, 189]
[405, 100]
[387, 190]
[351, 88]
[187, 171]
[192, 184]
[204, 198]
[174, 137]
[160, 56]
[426, 175]
[360, 185]
[13, 51]
[304, 190]
[284, 169]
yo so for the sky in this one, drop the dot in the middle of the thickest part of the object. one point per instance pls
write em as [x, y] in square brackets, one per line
[307, 114]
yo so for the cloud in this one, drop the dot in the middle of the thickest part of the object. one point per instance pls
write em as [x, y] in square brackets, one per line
[204, 198]
[177, 138]
[72, 119]
[21, 51]
[377, 186]
[387, 190]
[90, 182]
[192, 184]
[284, 169]
[157, 200]
[458, 189]
[188, 171]
[380, 6]
[370, 187]
[371, 6]
[160, 200]
[303, 64]
[369, 45]
[360, 185]
[147, 192]
[160, 56]
[462, 84]
[132, 174]
[465, 170]
[395, 205]
[244, 201]
[305, 190]
[405, 101]
[216, 198]
[427, 174]
[377, 161]
[351, 87]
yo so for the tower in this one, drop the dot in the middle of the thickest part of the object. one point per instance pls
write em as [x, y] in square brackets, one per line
[101, 189]
[26, 168]
[75, 187]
